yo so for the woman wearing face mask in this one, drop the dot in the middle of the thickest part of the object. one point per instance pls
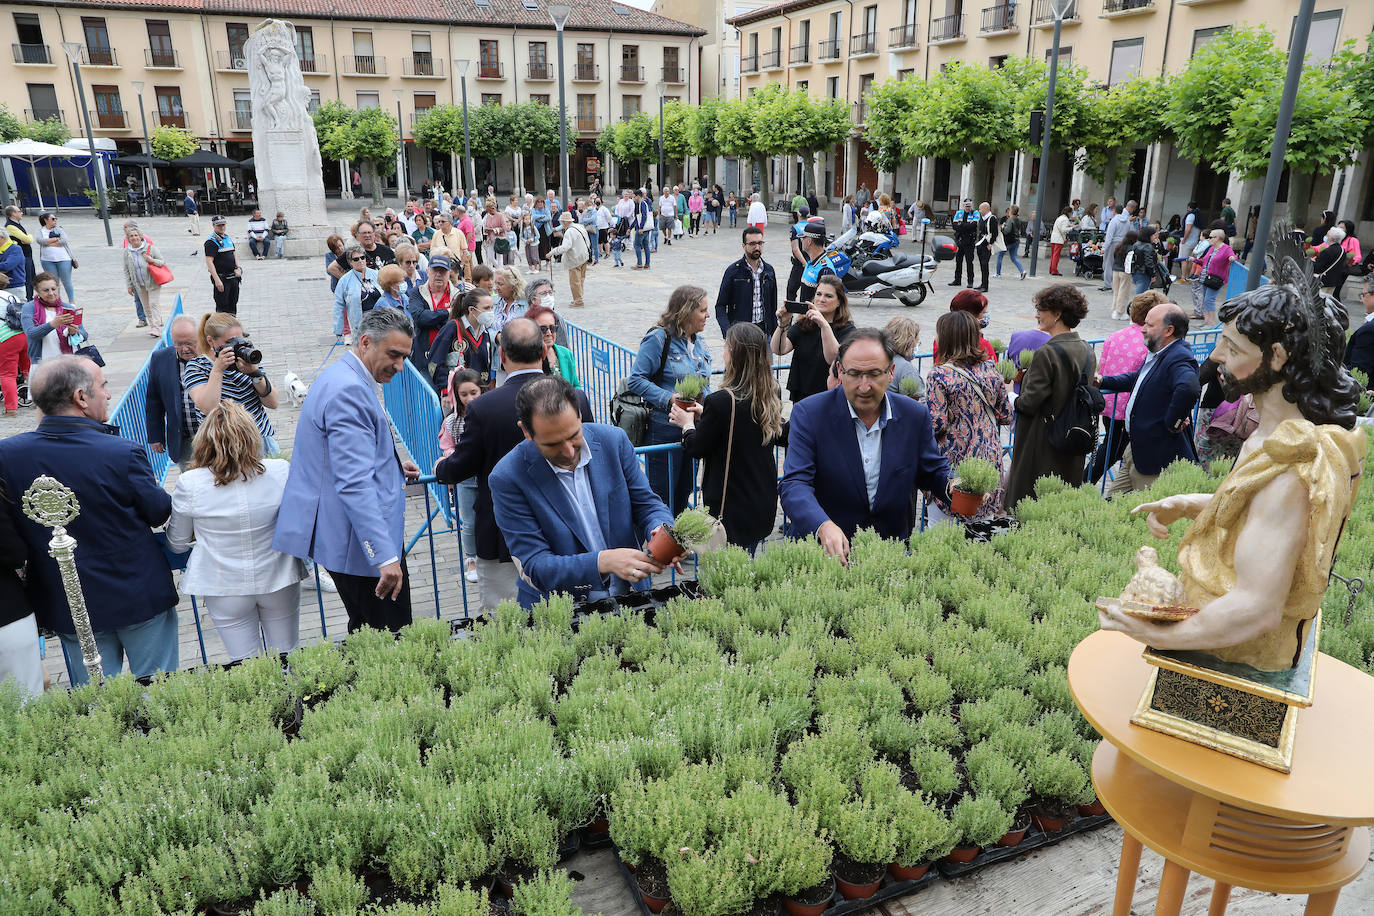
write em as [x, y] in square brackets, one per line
[976, 304]
[466, 342]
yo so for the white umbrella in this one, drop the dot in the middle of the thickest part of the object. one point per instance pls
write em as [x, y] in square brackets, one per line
[32, 150]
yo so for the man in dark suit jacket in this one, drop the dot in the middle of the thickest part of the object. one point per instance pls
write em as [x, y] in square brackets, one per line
[735, 302]
[573, 501]
[170, 420]
[124, 575]
[1359, 349]
[1163, 392]
[854, 455]
[490, 430]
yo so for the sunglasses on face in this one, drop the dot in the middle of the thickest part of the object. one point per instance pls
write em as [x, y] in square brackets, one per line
[548, 329]
[355, 260]
[410, 262]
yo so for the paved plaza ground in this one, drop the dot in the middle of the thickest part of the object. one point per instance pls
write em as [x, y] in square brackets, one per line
[286, 307]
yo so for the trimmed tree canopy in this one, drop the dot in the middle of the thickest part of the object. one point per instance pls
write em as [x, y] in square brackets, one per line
[1201, 98]
[172, 142]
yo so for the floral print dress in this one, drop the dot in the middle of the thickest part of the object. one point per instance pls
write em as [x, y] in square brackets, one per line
[964, 425]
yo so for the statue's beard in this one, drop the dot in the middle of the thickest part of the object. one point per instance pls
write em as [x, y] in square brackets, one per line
[1261, 380]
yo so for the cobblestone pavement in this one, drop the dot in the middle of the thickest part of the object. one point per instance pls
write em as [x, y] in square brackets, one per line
[286, 308]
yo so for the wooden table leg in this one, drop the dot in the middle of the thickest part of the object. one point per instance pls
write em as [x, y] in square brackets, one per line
[1126, 875]
[1171, 889]
[1322, 904]
[1221, 896]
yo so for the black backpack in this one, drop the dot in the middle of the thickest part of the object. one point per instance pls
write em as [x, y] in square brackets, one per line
[1074, 428]
[13, 310]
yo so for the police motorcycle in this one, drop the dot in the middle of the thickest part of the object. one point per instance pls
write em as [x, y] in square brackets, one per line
[869, 266]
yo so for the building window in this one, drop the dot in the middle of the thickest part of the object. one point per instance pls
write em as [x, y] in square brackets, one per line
[870, 21]
[489, 58]
[1126, 59]
[777, 37]
[98, 50]
[540, 98]
[29, 31]
[1321, 40]
[109, 110]
[424, 101]
[421, 54]
[995, 63]
[629, 107]
[314, 104]
[803, 85]
[586, 62]
[586, 112]
[43, 101]
[904, 74]
[237, 33]
[305, 48]
[169, 110]
[1202, 36]
[243, 110]
[835, 26]
[1065, 55]
[160, 51]
[364, 60]
[832, 87]
[369, 100]
[491, 98]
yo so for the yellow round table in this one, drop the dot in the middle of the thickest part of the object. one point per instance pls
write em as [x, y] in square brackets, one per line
[1238, 823]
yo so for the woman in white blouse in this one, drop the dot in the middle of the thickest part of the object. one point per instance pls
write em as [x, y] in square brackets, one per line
[226, 506]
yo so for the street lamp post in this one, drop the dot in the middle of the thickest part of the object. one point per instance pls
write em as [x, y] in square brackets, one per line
[559, 13]
[1058, 9]
[148, 174]
[400, 154]
[73, 49]
[469, 177]
[661, 86]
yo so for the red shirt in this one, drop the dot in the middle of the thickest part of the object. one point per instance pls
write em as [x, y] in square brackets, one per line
[987, 348]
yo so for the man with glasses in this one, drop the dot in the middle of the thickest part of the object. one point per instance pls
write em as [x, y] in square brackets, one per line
[446, 235]
[1359, 350]
[377, 254]
[429, 306]
[170, 415]
[749, 289]
[854, 455]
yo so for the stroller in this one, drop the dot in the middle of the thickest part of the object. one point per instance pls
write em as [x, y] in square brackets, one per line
[1085, 250]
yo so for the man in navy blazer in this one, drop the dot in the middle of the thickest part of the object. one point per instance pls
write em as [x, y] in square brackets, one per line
[344, 504]
[735, 301]
[1359, 349]
[124, 574]
[854, 455]
[1163, 392]
[573, 501]
[170, 422]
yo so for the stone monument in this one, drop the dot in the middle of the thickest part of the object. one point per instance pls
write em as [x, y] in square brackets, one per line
[285, 147]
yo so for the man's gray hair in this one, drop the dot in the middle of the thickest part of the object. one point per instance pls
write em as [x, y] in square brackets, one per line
[12, 210]
[56, 381]
[380, 322]
[350, 250]
[180, 318]
[1369, 282]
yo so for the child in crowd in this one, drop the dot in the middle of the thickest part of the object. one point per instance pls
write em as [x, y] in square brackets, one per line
[618, 244]
[529, 237]
[464, 385]
[734, 209]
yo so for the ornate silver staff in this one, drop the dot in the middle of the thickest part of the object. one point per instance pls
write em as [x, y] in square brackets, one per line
[52, 505]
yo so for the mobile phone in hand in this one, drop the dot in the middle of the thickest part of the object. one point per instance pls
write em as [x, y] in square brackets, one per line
[797, 308]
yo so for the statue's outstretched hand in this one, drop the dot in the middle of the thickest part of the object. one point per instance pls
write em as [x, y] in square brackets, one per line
[1159, 515]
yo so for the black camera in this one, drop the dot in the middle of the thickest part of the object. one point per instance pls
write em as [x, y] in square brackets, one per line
[243, 349]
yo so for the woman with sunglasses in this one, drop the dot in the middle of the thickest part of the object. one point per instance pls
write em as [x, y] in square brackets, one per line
[409, 259]
[356, 293]
[557, 360]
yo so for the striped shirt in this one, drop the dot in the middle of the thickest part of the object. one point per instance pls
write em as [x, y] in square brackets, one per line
[234, 387]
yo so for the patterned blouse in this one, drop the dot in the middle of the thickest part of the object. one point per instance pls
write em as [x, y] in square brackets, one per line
[1122, 351]
[964, 426]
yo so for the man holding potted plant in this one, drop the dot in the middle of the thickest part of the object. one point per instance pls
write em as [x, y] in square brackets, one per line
[855, 455]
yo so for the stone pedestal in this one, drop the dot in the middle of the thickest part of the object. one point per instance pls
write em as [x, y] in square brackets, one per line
[284, 142]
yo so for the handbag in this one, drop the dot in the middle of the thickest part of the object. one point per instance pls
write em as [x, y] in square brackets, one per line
[501, 245]
[1234, 418]
[90, 352]
[160, 273]
[630, 411]
[1209, 279]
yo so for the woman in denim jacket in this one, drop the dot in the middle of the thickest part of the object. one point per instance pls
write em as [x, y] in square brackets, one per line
[672, 349]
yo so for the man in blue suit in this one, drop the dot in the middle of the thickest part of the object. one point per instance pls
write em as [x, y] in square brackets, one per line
[124, 575]
[344, 505]
[1163, 392]
[573, 502]
[170, 415]
[854, 455]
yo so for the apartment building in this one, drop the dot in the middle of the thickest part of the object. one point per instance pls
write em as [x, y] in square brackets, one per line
[839, 49]
[720, 70]
[187, 56]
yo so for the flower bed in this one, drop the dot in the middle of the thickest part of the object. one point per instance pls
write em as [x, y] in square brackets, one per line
[800, 719]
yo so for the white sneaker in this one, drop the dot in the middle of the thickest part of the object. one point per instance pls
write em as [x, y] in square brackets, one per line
[471, 574]
[326, 581]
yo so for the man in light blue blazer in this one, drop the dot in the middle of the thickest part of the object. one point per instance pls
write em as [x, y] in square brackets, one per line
[572, 501]
[344, 504]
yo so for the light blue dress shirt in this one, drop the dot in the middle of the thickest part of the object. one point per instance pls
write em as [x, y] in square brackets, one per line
[1145, 369]
[577, 483]
[871, 446]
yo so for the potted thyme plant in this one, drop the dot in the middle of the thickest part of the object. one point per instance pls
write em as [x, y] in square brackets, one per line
[977, 477]
[690, 528]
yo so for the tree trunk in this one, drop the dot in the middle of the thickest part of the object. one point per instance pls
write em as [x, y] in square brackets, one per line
[818, 177]
[1299, 198]
[761, 163]
[373, 180]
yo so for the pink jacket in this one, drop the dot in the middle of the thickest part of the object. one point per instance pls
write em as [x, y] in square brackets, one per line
[1122, 351]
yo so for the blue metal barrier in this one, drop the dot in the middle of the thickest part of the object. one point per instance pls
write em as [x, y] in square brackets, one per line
[129, 412]
[413, 406]
[601, 364]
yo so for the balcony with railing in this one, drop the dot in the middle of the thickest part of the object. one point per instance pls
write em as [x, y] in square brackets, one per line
[999, 19]
[316, 65]
[32, 54]
[109, 120]
[160, 59]
[799, 54]
[674, 76]
[170, 119]
[860, 112]
[749, 64]
[98, 57]
[1042, 13]
[490, 70]
[828, 49]
[1112, 9]
[770, 60]
[44, 114]
[902, 37]
[416, 115]
[947, 29]
[630, 73]
[239, 120]
[588, 124]
[422, 66]
[865, 45]
[586, 73]
[364, 65]
[539, 71]
[227, 62]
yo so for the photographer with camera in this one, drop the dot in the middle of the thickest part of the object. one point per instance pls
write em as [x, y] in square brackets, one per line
[228, 370]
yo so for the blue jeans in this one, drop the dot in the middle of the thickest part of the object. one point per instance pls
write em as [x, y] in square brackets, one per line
[1142, 283]
[1209, 299]
[653, 238]
[62, 270]
[657, 464]
[642, 248]
[279, 246]
[734, 214]
[596, 249]
[138, 305]
[615, 252]
[467, 514]
[150, 647]
[258, 248]
[355, 317]
[1011, 253]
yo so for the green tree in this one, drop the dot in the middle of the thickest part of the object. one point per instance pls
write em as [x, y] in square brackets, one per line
[11, 128]
[1202, 99]
[172, 142]
[1356, 71]
[441, 129]
[634, 139]
[1128, 113]
[965, 113]
[675, 143]
[817, 126]
[887, 123]
[49, 130]
[702, 128]
[533, 127]
[490, 127]
[367, 137]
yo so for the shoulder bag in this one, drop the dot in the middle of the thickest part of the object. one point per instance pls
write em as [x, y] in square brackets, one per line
[630, 411]
[1074, 428]
[161, 274]
[1209, 279]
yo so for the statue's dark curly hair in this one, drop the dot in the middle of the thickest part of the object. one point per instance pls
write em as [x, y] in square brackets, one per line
[1311, 329]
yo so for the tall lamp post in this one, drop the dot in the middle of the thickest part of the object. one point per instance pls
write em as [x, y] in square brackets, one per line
[661, 87]
[400, 154]
[147, 146]
[73, 49]
[468, 178]
[1059, 9]
[1297, 51]
[559, 13]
